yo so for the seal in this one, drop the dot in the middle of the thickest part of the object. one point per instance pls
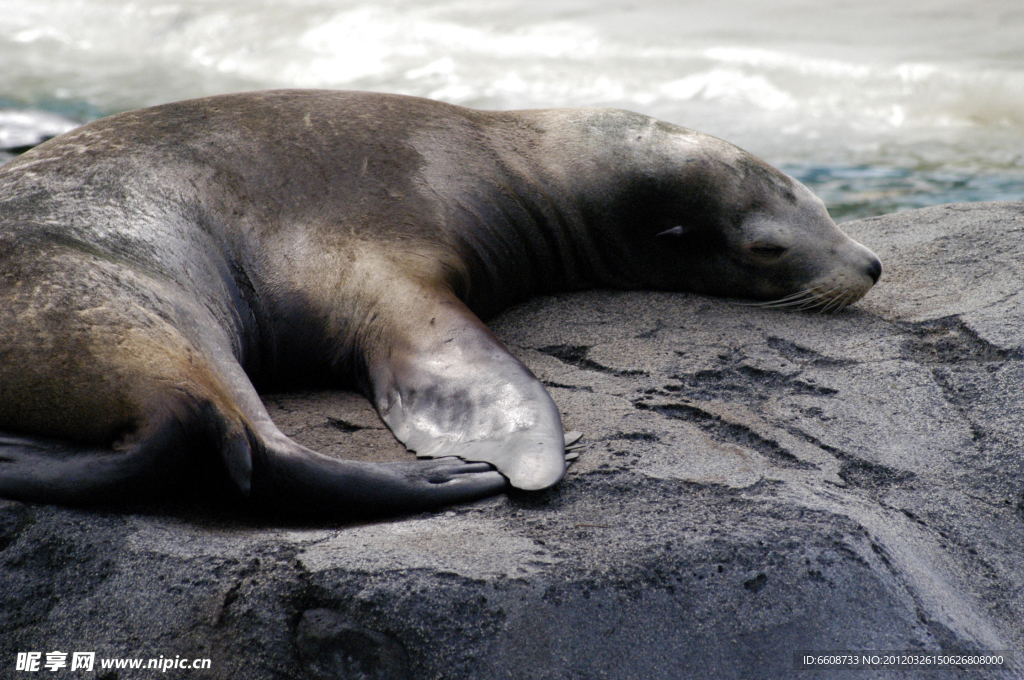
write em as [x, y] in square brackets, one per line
[157, 266]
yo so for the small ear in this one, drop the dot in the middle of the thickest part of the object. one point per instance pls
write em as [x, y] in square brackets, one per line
[675, 231]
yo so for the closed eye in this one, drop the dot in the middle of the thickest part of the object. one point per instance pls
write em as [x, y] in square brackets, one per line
[767, 249]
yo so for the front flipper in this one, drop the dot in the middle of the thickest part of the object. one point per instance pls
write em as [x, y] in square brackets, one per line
[447, 387]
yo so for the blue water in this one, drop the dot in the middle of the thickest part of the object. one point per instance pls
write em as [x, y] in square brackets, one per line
[877, 105]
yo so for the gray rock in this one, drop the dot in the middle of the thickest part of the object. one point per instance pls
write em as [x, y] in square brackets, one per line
[753, 484]
[333, 648]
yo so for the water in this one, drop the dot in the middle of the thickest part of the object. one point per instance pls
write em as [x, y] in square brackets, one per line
[877, 105]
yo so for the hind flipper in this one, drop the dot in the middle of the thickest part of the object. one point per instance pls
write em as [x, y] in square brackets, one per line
[49, 471]
[297, 480]
[281, 475]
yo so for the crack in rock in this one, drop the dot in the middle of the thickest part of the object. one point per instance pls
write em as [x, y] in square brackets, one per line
[805, 356]
[746, 382]
[576, 355]
[950, 341]
[861, 473]
[561, 386]
[757, 583]
[856, 471]
[635, 436]
[732, 433]
[344, 425]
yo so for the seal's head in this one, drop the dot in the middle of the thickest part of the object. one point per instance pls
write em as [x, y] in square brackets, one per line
[780, 247]
[794, 255]
[709, 217]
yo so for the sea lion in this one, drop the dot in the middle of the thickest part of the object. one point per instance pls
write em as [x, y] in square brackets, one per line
[155, 264]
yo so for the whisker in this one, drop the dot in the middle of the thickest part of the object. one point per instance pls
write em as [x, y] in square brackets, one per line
[826, 301]
[798, 303]
[848, 300]
[791, 300]
[797, 295]
[820, 299]
[793, 297]
[852, 297]
[842, 301]
[830, 306]
[835, 303]
[779, 303]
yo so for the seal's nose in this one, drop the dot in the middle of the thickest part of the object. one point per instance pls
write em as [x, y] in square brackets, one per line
[875, 269]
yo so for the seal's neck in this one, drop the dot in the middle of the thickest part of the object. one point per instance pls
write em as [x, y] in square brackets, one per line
[570, 199]
[604, 183]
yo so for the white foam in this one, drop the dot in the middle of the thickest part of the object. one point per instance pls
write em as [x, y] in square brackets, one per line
[730, 86]
[879, 82]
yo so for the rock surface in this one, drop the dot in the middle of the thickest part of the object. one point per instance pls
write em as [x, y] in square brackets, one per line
[752, 483]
